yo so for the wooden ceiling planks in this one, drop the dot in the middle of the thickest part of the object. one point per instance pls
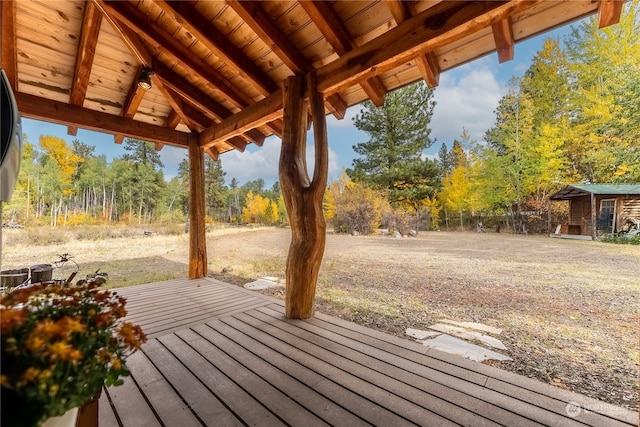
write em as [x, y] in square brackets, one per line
[221, 64]
[8, 51]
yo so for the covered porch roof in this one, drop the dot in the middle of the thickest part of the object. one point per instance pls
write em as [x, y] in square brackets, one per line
[217, 67]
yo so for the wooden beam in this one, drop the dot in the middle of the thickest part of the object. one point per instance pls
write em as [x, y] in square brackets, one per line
[129, 37]
[8, 53]
[251, 117]
[133, 100]
[35, 107]
[84, 58]
[190, 93]
[503, 37]
[303, 197]
[337, 106]
[238, 143]
[177, 104]
[434, 27]
[399, 10]
[197, 226]
[429, 69]
[203, 30]
[334, 31]
[252, 14]
[212, 152]
[86, 51]
[166, 44]
[417, 36]
[173, 120]
[609, 12]
[427, 64]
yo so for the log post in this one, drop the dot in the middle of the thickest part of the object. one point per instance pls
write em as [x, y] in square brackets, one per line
[197, 231]
[302, 196]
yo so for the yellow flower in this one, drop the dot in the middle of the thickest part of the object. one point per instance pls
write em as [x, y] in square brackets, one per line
[71, 326]
[48, 328]
[4, 380]
[35, 343]
[53, 389]
[60, 349]
[30, 374]
[44, 375]
[116, 363]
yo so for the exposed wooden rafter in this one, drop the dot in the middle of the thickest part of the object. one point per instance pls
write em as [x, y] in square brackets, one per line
[163, 43]
[84, 59]
[252, 14]
[338, 37]
[207, 33]
[422, 33]
[609, 12]
[428, 63]
[35, 107]
[251, 117]
[8, 60]
[503, 36]
[131, 104]
[178, 105]
[414, 37]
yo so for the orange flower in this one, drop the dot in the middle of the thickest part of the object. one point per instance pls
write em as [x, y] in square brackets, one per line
[72, 325]
[30, 374]
[35, 343]
[116, 363]
[60, 349]
[132, 335]
[10, 318]
[48, 328]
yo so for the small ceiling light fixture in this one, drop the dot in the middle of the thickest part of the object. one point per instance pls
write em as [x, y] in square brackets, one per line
[144, 78]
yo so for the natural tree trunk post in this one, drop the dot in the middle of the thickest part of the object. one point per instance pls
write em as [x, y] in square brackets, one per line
[197, 238]
[303, 197]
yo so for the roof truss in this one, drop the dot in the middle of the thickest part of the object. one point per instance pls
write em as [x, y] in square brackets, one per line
[218, 67]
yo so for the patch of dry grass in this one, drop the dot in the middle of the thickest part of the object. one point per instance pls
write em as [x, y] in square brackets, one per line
[569, 310]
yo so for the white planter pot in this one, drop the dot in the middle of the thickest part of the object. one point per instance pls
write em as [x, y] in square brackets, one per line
[68, 419]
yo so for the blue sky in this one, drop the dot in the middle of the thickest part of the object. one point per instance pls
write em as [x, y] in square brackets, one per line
[465, 98]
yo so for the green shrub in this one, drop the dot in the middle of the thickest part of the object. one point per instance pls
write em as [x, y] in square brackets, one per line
[621, 239]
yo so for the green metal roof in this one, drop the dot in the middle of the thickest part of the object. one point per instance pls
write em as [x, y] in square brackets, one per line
[577, 190]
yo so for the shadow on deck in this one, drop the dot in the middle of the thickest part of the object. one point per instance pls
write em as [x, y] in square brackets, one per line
[219, 355]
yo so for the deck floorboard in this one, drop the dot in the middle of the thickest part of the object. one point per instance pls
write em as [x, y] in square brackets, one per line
[220, 355]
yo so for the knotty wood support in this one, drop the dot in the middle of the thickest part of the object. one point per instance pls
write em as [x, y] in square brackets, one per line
[303, 197]
[197, 238]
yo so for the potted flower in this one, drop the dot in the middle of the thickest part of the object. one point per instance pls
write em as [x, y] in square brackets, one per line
[60, 346]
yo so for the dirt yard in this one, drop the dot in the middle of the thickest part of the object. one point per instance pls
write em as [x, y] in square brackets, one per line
[569, 310]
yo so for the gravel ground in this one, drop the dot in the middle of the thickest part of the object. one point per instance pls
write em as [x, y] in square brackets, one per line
[569, 310]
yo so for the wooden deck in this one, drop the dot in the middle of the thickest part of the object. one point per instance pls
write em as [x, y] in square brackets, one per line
[219, 355]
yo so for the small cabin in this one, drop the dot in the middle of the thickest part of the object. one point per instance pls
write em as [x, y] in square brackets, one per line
[612, 207]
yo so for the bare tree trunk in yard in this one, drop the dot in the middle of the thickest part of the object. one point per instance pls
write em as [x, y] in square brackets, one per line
[302, 197]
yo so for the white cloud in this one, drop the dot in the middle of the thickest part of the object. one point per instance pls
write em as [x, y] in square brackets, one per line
[263, 162]
[347, 122]
[171, 158]
[468, 101]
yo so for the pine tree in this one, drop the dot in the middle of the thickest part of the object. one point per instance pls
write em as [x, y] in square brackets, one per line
[392, 159]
